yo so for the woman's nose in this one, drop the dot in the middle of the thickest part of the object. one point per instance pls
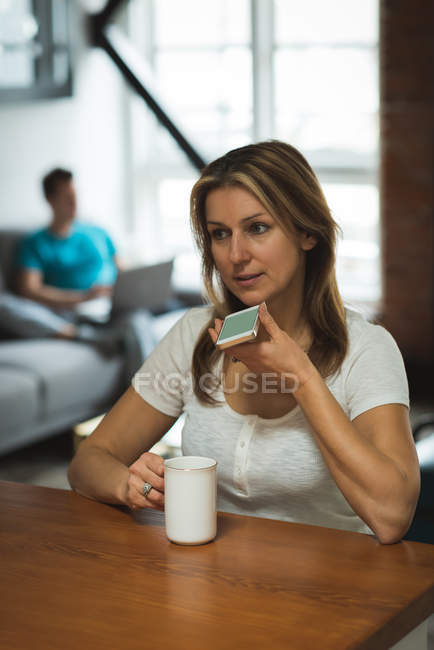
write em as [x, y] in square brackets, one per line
[239, 251]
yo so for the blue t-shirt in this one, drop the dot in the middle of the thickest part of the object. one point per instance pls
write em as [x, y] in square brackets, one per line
[83, 258]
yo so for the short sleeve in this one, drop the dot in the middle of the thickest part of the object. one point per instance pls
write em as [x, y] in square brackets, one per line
[110, 245]
[165, 378]
[375, 374]
[27, 256]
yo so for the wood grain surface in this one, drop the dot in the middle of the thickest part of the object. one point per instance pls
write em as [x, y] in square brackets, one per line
[77, 574]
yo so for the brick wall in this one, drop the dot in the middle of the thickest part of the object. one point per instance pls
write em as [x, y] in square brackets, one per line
[407, 174]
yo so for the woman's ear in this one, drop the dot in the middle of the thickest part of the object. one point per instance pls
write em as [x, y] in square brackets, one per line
[307, 241]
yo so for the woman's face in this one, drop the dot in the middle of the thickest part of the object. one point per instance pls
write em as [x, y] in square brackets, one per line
[256, 258]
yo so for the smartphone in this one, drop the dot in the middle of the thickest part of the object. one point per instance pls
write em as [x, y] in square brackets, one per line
[240, 327]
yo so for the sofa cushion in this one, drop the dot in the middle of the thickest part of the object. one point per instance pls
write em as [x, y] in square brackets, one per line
[19, 397]
[69, 372]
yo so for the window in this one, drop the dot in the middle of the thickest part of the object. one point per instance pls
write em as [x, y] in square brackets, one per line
[34, 49]
[234, 71]
[326, 104]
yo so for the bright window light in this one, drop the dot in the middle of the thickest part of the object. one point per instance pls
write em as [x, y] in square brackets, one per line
[318, 91]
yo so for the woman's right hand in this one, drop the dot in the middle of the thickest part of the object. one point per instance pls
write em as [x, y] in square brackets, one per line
[148, 468]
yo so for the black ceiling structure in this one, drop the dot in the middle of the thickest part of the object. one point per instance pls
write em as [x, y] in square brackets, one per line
[119, 49]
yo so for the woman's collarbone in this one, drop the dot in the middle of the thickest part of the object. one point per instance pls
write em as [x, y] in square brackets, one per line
[264, 398]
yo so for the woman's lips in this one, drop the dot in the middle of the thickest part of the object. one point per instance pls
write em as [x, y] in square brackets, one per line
[247, 280]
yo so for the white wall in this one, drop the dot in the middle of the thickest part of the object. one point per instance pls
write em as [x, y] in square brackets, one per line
[85, 133]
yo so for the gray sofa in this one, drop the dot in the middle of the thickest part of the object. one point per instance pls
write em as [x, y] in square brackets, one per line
[49, 385]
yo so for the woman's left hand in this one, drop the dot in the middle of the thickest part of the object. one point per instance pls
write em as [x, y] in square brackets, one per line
[280, 354]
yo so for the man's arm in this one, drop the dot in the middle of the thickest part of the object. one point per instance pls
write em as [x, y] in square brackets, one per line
[30, 285]
[119, 263]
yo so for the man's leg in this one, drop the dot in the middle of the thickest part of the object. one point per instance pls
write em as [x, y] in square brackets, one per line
[25, 318]
[136, 331]
[29, 319]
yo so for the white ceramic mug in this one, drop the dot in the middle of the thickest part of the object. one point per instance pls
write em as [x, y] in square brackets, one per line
[190, 496]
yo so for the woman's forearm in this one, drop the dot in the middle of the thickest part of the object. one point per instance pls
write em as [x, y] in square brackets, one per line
[98, 475]
[371, 482]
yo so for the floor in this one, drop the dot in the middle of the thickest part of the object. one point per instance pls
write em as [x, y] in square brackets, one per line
[46, 463]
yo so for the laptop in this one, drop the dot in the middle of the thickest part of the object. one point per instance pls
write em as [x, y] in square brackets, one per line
[144, 287]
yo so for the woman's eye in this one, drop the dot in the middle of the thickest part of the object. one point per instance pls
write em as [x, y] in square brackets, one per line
[218, 233]
[259, 228]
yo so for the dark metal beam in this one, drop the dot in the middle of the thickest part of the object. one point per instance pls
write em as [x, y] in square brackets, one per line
[100, 20]
[101, 36]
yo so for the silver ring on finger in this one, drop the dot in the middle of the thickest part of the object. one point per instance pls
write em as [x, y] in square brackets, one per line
[146, 489]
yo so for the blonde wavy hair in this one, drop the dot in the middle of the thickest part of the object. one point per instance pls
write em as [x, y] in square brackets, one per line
[281, 179]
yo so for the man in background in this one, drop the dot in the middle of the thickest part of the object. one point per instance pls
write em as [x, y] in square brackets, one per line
[59, 269]
[64, 265]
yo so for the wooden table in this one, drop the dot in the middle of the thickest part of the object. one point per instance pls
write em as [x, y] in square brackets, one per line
[80, 574]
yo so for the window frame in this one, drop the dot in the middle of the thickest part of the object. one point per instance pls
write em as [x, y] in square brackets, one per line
[44, 86]
[354, 169]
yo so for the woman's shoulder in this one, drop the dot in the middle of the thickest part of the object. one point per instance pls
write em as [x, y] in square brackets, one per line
[362, 332]
[357, 323]
[176, 340]
[193, 321]
[373, 372]
[199, 316]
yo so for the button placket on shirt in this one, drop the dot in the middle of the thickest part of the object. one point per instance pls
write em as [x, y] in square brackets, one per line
[242, 453]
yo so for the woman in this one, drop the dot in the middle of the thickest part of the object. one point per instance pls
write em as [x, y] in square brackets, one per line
[310, 422]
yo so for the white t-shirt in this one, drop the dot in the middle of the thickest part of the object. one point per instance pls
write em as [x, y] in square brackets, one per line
[272, 468]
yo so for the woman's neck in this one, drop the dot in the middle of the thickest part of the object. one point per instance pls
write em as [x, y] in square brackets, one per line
[287, 311]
